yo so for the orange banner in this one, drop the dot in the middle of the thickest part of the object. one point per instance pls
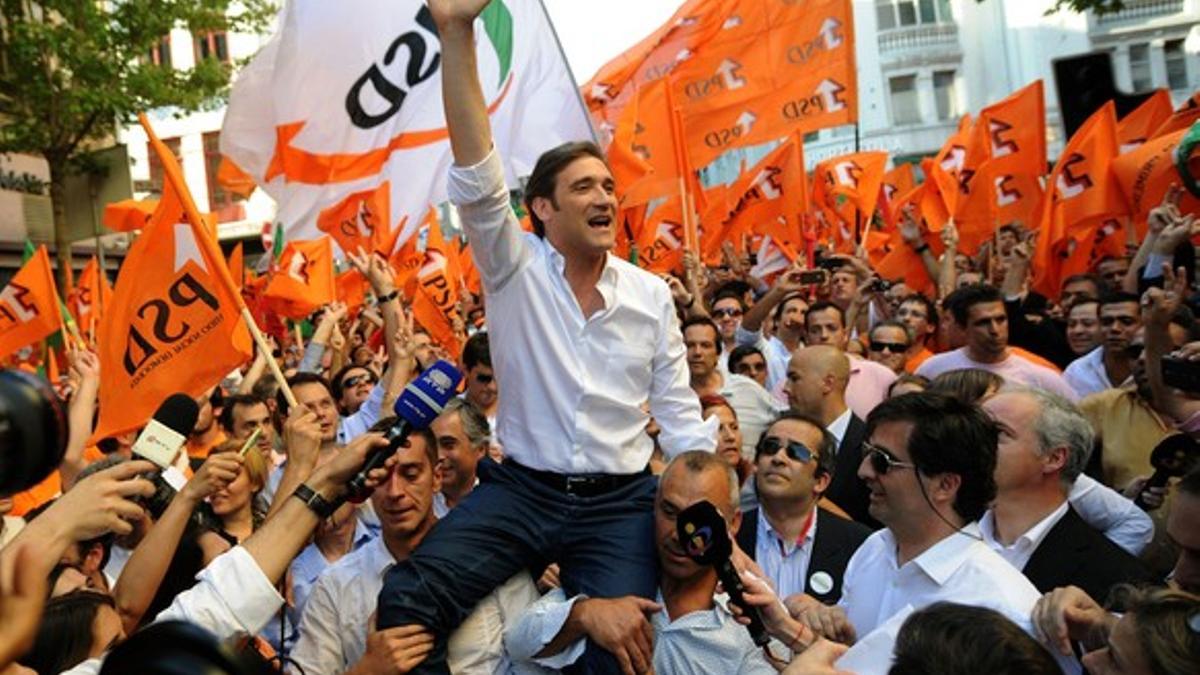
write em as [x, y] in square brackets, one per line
[88, 300]
[360, 221]
[1017, 127]
[29, 305]
[304, 281]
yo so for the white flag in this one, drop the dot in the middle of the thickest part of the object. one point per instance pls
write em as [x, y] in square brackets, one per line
[348, 95]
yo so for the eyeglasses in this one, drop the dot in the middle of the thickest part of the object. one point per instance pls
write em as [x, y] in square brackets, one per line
[893, 347]
[732, 312]
[883, 461]
[751, 367]
[352, 382]
[481, 378]
[795, 449]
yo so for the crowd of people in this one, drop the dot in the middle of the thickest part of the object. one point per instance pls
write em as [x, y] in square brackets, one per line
[956, 481]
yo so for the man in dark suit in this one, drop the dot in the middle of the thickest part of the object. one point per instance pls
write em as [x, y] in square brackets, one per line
[1043, 448]
[816, 386]
[801, 547]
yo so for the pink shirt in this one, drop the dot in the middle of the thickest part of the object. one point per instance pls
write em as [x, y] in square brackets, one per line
[869, 382]
[1013, 369]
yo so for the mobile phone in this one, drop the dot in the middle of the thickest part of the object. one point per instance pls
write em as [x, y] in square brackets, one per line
[812, 277]
[1181, 373]
[880, 286]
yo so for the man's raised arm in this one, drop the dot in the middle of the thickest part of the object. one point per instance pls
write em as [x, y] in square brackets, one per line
[462, 96]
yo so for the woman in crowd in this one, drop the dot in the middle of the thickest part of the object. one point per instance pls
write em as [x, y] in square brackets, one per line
[1159, 633]
[729, 435]
[237, 506]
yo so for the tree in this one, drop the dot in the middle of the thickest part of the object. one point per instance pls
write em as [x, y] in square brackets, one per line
[72, 70]
[1098, 7]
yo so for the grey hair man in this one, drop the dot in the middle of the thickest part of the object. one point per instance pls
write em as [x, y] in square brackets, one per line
[463, 435]
[1044, 446]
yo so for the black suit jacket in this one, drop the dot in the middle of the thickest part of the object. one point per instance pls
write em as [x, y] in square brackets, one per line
[846, 489]
[835, 541]
[1073, 553]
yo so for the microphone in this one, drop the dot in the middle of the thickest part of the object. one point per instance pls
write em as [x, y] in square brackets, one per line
[1175, 455]
[418, 405]
[160, 442]
[706, 541]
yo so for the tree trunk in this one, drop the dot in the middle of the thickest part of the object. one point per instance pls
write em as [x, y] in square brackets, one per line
[62, 241]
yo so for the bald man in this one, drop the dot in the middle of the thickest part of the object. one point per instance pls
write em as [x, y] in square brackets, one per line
[816, 386]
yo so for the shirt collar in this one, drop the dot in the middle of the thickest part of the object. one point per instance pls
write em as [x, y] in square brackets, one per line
[764, 526]
[607, 285]
[378, 557]
[943, 559]
[1031, 538]
[838, 426]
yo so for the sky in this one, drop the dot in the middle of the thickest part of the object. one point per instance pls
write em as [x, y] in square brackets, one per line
[594, 32]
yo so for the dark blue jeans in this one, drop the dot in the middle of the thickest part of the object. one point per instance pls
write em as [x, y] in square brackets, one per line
[511, 522]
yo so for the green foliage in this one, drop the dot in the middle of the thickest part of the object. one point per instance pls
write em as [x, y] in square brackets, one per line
[71, 70]
[1098, 7]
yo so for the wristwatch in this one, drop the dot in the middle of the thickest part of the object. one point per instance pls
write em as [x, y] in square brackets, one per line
[388, 297]
[315, 502]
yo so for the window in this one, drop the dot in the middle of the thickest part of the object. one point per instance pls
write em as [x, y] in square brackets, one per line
[156, 168]
[907, 11]
[160, 53]
[220, 201]
[905, 107]
[891, 14]
[1177, 76]
[945, 95]
[1139, 67]
[212, 46]
[885, 14]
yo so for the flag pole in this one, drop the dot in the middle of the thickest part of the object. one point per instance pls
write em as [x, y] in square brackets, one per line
[691, 239]
[222, 270]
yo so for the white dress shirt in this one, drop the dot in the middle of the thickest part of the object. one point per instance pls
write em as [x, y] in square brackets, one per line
[784, 562]
[958, 569]
[1087, 374]
[755, 409]
[839, 425]
[231, 595]
[703, 642]
[1111, 513]
[774, 352]
[1020, 551]
[581, 380]
[333, 630]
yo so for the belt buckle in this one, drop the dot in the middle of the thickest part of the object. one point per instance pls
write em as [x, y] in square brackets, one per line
[574, 483]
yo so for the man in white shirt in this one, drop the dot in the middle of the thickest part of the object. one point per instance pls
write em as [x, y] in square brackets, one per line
[582, 339]
[1111, 364]
[1044, 446]
[754, 406]
[686, 631]
[929, 463]
[335, 635]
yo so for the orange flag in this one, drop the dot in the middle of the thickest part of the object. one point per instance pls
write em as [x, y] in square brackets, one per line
[1080, 195]
[237, 266]
[1141, 124]
[1183, 118]
[89, 299]
[173, 324]
[439, 280]
[1144, 175]
[773, 188]
[29, 305]
[642, 154]
[896, 183]
[128, 215]
[848, 185]
[361, 220]
[975, 206]
[1017, 126]
[352, 290]
[660, 248]
[231, 177]
[304, 281]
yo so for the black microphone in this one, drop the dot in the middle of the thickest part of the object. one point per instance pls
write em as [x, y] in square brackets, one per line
[1175, 455]
[161, 442]
[706, 541]
[418, 405]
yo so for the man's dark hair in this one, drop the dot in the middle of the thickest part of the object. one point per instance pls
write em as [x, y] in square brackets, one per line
[297, 380]
[477, 351]
[948, 436]
[930, 306]
[952, 639]
[1090, 277]
[826, 454]
[234, 400]
[1012, 229]
[64, 636]
[822, 306]
[703, 321]
[1117, 297]
[737, 288]
[741, 352]
[794, 295]
[545, 175]
[963, 299]
[729, 293]
[426, 434]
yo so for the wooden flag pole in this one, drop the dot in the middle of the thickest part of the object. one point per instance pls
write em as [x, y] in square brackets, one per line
[213, 252]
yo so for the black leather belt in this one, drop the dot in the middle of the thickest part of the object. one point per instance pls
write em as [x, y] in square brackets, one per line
[579, 485]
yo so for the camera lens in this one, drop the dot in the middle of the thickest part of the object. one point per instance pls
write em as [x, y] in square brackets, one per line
[33, 431]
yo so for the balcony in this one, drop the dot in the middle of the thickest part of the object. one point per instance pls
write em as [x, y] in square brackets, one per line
[1140, 10]
[917, 38]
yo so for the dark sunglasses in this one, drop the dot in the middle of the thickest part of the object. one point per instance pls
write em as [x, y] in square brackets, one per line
[352, 382]
[893, 347]
[795, 449]
[883, 461]
[1134, 351]
[483, 379]
[722, 313]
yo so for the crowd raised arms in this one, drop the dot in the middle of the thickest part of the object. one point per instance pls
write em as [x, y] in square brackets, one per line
[982, 459]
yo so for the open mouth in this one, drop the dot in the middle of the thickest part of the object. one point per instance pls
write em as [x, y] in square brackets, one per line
[600, 222]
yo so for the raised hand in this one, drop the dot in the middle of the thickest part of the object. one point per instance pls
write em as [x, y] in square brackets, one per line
[302, 436]
[103, 502]
[910, 230]
[1159, 304]
[216, 473]
[456, 11]
[377, 271]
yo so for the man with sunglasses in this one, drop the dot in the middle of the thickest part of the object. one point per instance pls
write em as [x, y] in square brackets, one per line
[352, 386]
[888, 345]
[1111, 364]
[728, 307]
[929, 462]
[801, 547]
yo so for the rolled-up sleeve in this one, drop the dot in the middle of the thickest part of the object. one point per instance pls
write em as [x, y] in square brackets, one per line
[673, 402]
[364, 418]
[232, 595]
[537, 627]
[497, 241]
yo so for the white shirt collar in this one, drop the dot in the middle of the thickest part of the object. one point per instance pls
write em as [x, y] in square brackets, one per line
[607, 285]
[942, 560]
[838, 426]
[1030, 539]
